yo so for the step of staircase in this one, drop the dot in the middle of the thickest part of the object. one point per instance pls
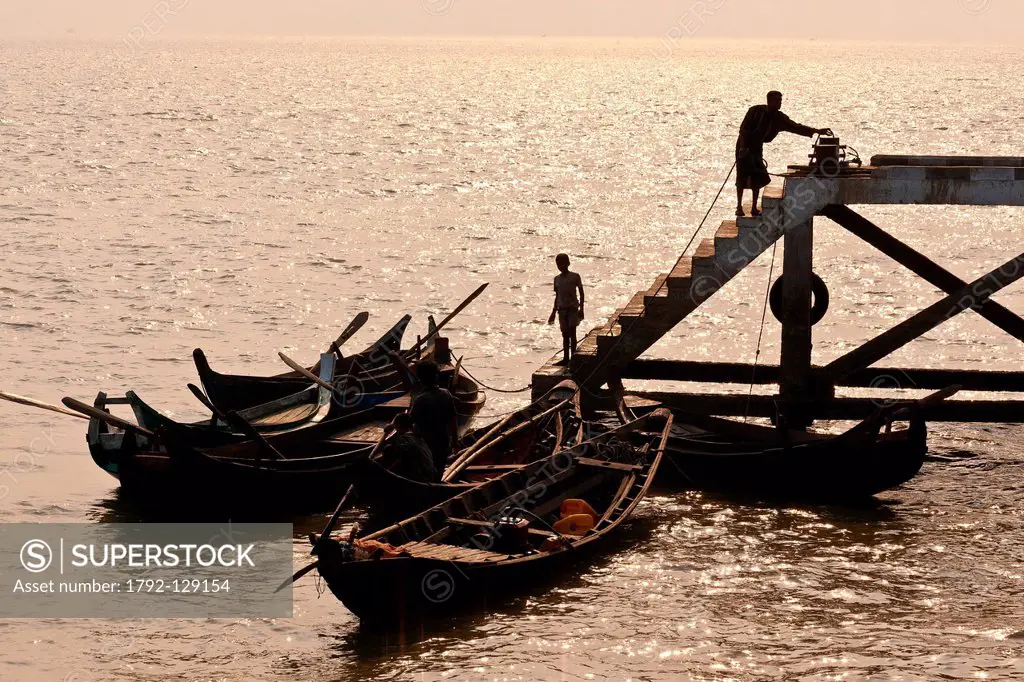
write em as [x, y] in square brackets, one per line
[695, 277]
[658, 293]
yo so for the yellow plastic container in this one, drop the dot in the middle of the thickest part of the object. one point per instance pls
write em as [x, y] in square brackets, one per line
[575, 524]
[570, 507]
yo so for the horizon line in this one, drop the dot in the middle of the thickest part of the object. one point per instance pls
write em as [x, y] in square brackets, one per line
[677, 42]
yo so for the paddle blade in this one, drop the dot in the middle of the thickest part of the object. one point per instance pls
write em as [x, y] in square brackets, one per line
[205, 400]
[355, 325]
[334, 517]
[458, 309]
[295, 576]
[939, 396]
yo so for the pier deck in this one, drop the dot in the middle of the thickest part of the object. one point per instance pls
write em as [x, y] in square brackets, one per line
[609, 352]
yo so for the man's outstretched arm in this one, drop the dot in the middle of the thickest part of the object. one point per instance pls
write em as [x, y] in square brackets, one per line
[791, 126]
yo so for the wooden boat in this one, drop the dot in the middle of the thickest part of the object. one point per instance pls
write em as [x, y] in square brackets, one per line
[749, 460]
[371, 370]
[310, 405]
[307, 407]
[167, 472]
[478, 545]
[193, 484]
[535, 432]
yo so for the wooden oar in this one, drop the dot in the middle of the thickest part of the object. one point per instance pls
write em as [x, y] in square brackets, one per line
[305, 372]
[233, 419]
[326, 532]
[455, 375]
[205, 400]
[928, 401]
[41, 405]
[97, 413]
[355, 325]
[295, 576]
[433, 332]
[939, 396]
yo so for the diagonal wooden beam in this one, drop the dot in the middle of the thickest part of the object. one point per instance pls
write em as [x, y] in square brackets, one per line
[969, 296]
[932, 272]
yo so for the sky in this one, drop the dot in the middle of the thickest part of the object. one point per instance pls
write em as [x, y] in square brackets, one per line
[970, 21]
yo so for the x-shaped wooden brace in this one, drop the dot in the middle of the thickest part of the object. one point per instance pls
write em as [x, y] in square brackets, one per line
[960, 296]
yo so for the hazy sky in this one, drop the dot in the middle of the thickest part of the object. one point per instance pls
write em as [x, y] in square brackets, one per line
[997, 21]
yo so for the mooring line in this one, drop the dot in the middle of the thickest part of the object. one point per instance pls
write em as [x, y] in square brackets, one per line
[491, 388]
[582, 385]
[757, 352]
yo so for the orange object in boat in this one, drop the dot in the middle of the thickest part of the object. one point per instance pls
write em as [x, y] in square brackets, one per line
[368, 547]
[570, 507]
[575, 524]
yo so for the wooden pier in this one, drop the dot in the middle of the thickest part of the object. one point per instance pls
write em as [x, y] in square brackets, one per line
[609, 353]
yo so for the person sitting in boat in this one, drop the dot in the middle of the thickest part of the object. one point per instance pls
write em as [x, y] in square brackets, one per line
[433, 413]
[568, 306]
[406, 455]
[762, 124]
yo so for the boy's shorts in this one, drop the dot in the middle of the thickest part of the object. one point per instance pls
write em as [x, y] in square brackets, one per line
[568, 320]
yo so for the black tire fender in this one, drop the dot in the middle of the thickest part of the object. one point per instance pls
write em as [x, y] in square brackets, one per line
[819, 297]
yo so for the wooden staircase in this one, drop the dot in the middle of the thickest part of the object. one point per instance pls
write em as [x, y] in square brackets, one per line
[606, 350]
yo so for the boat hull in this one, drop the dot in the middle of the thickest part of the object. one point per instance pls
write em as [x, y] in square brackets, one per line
[200, 487]
[394, 593]
[830, 470]
[456, 555]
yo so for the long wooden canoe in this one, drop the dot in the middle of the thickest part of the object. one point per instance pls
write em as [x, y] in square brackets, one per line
[761, 462]
[464, 551]
[165, 473]
[370, 370]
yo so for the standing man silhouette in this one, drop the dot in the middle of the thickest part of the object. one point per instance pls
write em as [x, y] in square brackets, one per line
[762, 124]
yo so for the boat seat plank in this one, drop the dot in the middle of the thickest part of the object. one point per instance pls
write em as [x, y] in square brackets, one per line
[487, 524]
[425, 550]
[487, 468]
[601, 464]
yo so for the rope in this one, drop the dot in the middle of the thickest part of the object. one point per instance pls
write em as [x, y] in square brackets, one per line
[703, 220]
[491, 388]
[582, 384]
[760, 333]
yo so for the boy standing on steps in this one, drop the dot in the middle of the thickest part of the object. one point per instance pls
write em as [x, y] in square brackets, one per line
[568, 307]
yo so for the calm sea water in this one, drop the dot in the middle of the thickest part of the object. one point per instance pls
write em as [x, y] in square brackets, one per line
[252, 196]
